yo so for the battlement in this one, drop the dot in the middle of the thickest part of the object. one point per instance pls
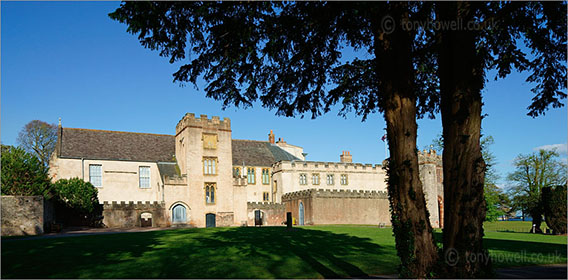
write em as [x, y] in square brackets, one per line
[327, 166]
[189, 120]
[429, 156]
[334, 193]
[139, 205]
[265, 206]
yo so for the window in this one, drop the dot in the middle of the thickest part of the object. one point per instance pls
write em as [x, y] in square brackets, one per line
[209, 141]
[96, 175]
[265, 196]
[250, 175]
[209, 166]
[303, 179]
[344, 179]
[144, 174]
[275, 189]
[265, 176]
[330, 179]
[210, 193]
[236, 172]
[315, 179]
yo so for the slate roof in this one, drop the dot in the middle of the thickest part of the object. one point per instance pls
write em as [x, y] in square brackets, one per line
[116, 145]
[258, 153]
[132, 146]
[168, 169]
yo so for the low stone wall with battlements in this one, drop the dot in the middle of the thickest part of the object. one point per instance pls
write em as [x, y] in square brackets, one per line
[330, 206]
[273, 214]
[128, 214]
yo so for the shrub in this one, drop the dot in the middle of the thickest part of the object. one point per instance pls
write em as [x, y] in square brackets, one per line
[76, 194]
[23, 173]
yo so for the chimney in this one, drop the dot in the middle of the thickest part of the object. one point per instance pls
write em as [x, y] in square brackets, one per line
[346, 157]
[271, 137]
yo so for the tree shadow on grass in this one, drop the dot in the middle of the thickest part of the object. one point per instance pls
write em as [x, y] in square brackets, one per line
[324, 252]
[268, 252]
[511, 253]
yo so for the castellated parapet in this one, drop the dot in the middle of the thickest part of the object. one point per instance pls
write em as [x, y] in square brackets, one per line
[131, 205]
[323, 166]
[327, 193]
[265, 206]
[189, 120]
[429, 156]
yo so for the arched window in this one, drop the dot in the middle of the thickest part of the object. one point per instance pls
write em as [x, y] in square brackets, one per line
[210, 193]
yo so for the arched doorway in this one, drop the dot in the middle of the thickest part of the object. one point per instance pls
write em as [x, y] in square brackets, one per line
[179, 214]
[301, 214]
[146, 219]
[258, 218]
[210, 220]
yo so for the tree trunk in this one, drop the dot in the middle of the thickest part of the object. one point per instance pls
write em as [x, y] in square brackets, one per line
[409, 215]
[461, 73]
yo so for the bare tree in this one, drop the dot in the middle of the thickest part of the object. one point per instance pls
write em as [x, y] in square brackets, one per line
[39, 138]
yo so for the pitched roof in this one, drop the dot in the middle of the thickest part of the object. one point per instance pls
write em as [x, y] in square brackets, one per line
[116, 145]
[258, 153]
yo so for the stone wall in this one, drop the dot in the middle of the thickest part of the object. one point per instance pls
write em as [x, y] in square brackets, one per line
[22, 215]
[274, 213]
[124, 214]
[339, 206]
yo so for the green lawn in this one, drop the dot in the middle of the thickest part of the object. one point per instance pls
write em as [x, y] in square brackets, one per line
[511, 226]
[268, 252]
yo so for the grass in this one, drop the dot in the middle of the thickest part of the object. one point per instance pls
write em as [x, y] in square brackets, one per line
[512, 226]
[268, 252]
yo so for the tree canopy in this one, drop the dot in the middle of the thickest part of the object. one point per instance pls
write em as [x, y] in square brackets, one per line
[532, 173]
[39, 138]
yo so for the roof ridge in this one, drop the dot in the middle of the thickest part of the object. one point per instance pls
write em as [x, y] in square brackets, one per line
[116, 131]
[250, 140]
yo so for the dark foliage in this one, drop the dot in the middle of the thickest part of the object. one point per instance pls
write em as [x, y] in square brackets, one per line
[23, 173]
[554, 208]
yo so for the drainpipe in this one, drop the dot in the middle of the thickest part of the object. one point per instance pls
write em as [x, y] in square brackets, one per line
[83, 169]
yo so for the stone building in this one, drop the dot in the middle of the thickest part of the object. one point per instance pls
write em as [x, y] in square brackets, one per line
[202, 177]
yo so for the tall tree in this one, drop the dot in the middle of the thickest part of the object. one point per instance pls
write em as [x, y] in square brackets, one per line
[532, 173]
[464, 55]
[39, 138]
[288, 56]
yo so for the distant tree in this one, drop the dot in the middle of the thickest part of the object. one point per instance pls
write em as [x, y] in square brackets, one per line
[554, 208]
[38, 138]
[23, 173]
[532, 173]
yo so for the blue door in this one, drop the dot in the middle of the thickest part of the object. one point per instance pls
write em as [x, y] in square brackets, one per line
[178, 214]
[210, 220]
[301, 214]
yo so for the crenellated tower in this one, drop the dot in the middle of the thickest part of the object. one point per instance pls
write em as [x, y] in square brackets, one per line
[431, 175]
[204, 154]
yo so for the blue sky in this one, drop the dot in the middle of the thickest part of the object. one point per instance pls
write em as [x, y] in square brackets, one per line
[69, 60]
